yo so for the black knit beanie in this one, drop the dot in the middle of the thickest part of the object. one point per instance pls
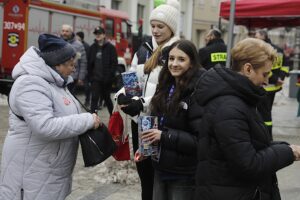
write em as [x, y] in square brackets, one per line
[54, 50]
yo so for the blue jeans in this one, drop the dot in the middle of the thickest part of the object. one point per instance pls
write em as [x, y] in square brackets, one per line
[182, 189]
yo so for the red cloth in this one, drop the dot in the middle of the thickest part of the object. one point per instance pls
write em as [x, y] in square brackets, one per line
[116, 128]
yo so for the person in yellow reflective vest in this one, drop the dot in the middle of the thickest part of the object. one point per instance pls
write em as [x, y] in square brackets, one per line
[215, 50]
[276, 78]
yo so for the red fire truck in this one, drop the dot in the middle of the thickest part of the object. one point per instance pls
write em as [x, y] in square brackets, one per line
[21, 21]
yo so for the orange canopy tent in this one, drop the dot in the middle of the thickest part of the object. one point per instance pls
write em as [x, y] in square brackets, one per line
[259, 14]
[263, 13]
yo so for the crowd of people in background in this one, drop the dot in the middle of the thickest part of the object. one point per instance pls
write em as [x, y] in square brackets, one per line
[214, 133]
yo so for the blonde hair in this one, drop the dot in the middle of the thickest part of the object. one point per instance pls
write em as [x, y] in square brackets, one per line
[153, 61]
[253, 51]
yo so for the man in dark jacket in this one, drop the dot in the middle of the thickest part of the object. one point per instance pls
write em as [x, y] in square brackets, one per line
[215, 50]
[80, 37]
[276, 78]
[79, 74]
[87, 83]
[102, 64]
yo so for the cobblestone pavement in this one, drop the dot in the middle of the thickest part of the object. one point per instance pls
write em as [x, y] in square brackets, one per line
[109, 180]
[114, 180]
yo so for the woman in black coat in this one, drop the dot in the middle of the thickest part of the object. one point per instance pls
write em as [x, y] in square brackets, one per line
[236, 158]
[176, 163]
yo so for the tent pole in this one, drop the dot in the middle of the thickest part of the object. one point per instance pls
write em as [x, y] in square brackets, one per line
[230, 32]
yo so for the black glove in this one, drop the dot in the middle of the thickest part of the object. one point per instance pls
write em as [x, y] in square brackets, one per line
[133, 108]
[124, 100]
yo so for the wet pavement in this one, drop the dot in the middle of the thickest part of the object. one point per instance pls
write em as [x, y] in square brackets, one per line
[114, 180]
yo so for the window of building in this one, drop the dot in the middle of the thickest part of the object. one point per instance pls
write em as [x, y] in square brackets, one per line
[115, 4]
[140, 12]
[182, 25]
[201, 2]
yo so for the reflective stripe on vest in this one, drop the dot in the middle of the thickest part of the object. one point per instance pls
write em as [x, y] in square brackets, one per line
[269, 123]
[271, 88]
[279, 61]
[286, 69]
[218, 57]
[270, 74]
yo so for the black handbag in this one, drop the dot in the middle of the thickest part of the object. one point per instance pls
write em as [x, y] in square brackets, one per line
[96, 144]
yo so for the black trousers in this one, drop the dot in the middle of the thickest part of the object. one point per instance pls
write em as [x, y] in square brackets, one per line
[265, 109]
[144, 168]
[87, 90]
[102, 89]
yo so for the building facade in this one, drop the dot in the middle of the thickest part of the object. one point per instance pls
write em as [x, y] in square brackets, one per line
[205, 17]
[196, 19]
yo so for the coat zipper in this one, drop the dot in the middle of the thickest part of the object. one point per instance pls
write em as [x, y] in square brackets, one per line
[22, 193]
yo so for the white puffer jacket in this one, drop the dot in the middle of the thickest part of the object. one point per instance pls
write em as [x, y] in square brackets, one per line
[39, 153]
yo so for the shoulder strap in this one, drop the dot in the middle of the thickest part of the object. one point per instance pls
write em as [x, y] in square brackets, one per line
[84, 107]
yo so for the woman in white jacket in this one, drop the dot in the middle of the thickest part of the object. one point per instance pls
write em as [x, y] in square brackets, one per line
[40, 148]
[148, 62]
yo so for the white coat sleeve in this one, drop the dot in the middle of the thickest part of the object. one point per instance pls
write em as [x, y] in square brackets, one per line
[35, 105]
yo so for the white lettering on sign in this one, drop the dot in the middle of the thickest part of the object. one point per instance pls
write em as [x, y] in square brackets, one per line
[14, 26]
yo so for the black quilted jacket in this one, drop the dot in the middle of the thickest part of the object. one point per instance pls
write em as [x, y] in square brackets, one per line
[178, 143]
[236, 158]
[109, 61]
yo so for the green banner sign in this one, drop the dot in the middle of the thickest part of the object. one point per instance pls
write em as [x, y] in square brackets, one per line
[158, 2]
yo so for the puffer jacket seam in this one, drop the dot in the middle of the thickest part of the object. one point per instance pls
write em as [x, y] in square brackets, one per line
[24, 158]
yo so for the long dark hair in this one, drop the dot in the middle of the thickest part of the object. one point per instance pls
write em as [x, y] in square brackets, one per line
[159, 104]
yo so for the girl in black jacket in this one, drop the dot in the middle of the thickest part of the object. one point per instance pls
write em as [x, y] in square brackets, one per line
[176, 164]
[236, 158]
